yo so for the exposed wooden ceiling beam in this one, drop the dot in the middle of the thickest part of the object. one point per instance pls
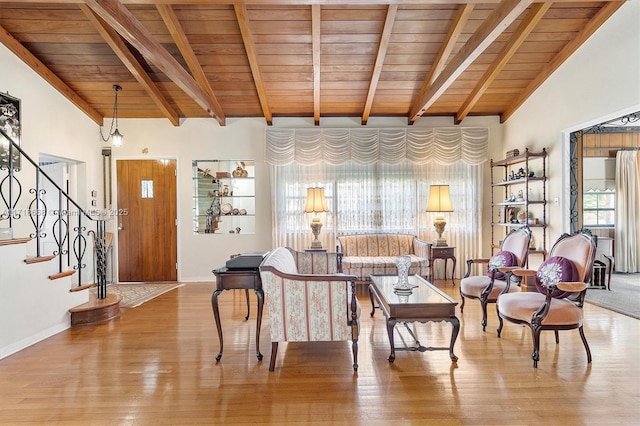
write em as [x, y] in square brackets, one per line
[43, 71]
[241, 16]
[315, 48]
[600, 17]
[119, 17]
[459, 21]
[285, 2]
[377, 68]
[504, 14]
[527, 25]
[179, 37]
[113, 39]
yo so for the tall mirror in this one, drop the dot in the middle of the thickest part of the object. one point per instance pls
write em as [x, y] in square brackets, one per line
[594, 190]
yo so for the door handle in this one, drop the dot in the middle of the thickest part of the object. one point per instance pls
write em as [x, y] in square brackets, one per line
[120, 227]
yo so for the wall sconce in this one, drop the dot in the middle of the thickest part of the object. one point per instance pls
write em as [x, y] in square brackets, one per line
[316, 203]
[439, 202]
[114, 135]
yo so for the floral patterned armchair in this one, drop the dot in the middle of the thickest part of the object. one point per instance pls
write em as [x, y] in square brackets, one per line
[309, 300]
[561, 281]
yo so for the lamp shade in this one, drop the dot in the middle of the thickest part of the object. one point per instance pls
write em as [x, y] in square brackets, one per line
[439, 199]
[316, 202]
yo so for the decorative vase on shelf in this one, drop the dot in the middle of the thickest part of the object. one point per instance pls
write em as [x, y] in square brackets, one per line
[238, 172]
[403, 263]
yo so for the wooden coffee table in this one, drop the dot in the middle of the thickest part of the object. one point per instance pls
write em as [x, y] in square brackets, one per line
[425, 303]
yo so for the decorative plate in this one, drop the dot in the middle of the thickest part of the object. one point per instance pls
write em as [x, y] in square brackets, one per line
[522, 216]
[226, 208]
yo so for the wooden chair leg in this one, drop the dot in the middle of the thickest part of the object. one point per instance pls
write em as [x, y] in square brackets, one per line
[484, 303]
[246, 292]
[274, 352]
[354, 348]
[610, 266]
[584, 341]
[535, 355]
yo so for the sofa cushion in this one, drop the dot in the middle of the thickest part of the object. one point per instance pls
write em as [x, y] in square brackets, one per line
[376, 244]
[554, 270]
[474, 285]
[521, 306]
[498, 260]
[363, 266]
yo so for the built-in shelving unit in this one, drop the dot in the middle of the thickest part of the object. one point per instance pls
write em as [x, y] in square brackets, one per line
[224, 196]
[519, 197]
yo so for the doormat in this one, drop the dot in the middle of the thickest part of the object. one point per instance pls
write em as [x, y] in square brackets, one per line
[134, 295]
[623, 298]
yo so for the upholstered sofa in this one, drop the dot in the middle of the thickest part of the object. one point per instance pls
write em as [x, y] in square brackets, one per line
[366, 254]
[308, 300]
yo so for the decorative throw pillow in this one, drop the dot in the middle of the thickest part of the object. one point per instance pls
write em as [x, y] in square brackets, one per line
[554, 270]
[498, 260]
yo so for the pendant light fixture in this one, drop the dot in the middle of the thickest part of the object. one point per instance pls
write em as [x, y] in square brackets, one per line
[114, 135]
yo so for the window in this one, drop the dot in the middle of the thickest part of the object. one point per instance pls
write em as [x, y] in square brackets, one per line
[598, 208]
[387, 198]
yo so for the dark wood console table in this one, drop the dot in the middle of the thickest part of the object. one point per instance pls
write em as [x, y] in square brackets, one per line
[238, 279]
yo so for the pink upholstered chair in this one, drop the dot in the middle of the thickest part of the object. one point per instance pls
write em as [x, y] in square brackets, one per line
[317, 305]
[561, 281]
[485, 288]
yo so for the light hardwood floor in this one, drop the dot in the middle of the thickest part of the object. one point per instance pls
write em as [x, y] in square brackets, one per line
[156, 365]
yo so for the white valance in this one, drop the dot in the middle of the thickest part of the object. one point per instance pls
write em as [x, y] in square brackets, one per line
[446, 145]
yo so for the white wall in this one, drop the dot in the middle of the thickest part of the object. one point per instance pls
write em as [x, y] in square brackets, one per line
[599, 82]
[204, 139]
[34, 307]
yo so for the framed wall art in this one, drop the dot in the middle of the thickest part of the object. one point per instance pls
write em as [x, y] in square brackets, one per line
[11, 125]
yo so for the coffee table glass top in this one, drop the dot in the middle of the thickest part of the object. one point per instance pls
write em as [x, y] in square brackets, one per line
[423, 293]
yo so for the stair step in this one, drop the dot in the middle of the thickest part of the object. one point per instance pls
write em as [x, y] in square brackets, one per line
[14, 241]
[82, 287]
[38, 259]
[96, 310]
[61, 275]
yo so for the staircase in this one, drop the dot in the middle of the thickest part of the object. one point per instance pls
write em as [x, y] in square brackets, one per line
[42, 293]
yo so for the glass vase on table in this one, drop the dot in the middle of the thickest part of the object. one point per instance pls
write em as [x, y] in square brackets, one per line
[402, 264]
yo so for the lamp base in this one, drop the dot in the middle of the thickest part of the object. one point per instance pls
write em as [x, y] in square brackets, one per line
[440, 242]
[316, 226]
[439, 223]
[316, 245]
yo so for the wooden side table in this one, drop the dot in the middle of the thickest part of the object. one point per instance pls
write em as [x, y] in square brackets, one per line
[445, 253]
[238, 279]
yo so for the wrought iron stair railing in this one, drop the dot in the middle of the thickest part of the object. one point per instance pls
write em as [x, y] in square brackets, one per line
[69, 229]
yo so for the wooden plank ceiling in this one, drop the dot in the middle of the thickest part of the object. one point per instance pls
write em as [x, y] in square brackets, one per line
[286, 58]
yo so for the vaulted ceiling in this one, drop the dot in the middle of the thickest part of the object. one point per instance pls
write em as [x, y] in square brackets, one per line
[287, 58]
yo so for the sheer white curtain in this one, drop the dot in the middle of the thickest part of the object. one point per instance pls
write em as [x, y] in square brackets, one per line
[627, 234]
[382, 191]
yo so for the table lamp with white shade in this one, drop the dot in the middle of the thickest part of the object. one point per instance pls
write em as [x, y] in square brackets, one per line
[316, 203]
[439, 202]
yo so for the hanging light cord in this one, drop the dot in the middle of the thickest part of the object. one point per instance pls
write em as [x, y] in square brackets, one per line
[114, 120]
